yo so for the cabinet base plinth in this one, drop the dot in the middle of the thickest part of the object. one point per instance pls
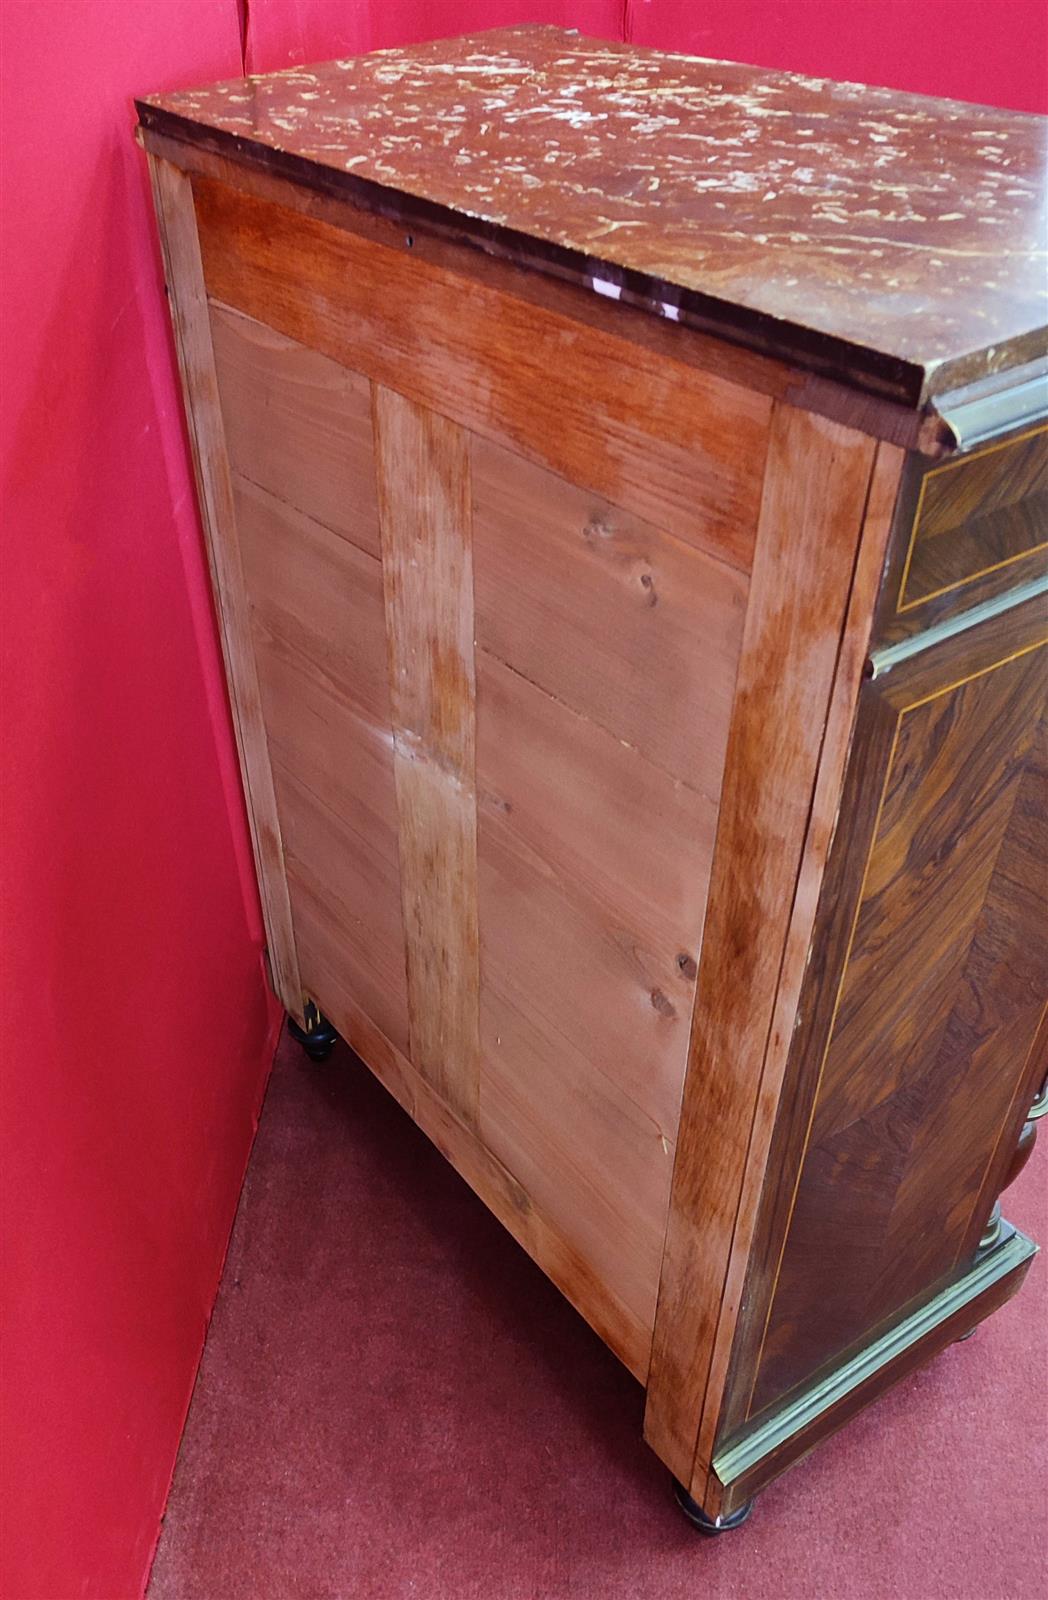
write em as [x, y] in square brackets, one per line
[745, 1464]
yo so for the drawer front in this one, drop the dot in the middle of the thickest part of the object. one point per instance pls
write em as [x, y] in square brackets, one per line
[969, 529]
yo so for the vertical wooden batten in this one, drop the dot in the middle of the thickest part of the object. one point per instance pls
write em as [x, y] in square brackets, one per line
[816, 482]
[425, 515]
[187, 298]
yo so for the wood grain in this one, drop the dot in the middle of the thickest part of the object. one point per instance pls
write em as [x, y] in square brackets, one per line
[727, 1391]
[813, 503]
[318, 626]
[298, 425]
[316, 599]
[938, 1339]
[968, 530]
[919, 1073]
[593, 872]
[424, 512]
[631, 627]
[664, 440]
[869, 759]
[587, 808]
[346, 903]
[173, 199]
[486, 1175]
[625, 317]
[977, 515]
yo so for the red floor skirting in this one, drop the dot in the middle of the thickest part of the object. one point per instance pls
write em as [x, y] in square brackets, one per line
[394, 1402]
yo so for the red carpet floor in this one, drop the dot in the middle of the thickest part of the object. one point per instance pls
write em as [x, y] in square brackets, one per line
[394, 1403]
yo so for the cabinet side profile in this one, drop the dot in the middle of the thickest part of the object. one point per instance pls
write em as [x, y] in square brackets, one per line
[918, 1042]
[635, 634]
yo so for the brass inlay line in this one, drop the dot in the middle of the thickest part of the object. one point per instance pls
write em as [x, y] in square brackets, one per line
[1008, 1254]
[882, 661]
[945, 689]
[970, 577]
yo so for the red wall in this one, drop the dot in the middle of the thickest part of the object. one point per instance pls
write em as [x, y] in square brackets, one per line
[138, 1033]
[283, 32]
[992, 53]
[995, 54]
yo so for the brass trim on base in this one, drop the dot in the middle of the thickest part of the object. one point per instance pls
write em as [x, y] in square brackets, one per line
[1009, 1252]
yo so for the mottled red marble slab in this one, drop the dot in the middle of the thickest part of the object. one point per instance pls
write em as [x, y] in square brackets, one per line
[897, 238]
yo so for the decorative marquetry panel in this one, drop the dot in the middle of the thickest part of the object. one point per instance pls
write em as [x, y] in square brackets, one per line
[970, 530]
[917, 1057]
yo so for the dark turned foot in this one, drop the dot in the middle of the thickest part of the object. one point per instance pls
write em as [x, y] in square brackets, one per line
[319, 1039]
[709, 1525]
[966, 1336]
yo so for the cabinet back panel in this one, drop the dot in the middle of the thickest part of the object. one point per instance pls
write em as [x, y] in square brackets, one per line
[497, 705]
[680, 447]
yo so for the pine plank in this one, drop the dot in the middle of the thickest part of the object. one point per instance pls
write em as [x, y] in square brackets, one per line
[297, 424]
[424, 511]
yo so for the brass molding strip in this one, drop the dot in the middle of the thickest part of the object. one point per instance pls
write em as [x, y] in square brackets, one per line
[1010, 1252]
[982, 410]
[882, 661]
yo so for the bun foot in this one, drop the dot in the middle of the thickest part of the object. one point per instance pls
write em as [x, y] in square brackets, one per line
[318, 1039]
[709, 1526]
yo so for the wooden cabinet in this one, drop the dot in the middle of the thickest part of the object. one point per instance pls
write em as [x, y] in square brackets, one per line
[626, 484]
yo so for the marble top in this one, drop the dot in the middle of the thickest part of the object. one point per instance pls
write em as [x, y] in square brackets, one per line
[896, 240]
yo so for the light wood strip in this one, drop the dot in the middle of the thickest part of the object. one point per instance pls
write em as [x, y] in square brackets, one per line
[173, 199]
[422, 464]
[812, 508]
[529, 1225]
[675, 445]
